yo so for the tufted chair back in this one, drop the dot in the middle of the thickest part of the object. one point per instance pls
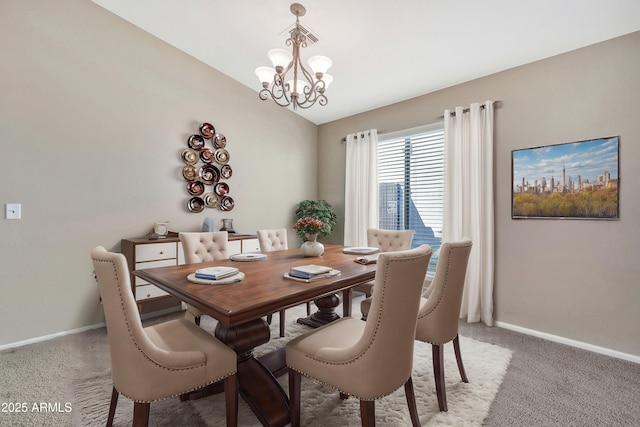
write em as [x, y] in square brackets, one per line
[273, 240]
[205, 246]
[390, 240]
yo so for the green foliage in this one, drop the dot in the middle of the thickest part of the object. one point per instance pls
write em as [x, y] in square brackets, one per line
[318, 209]
[586, 204]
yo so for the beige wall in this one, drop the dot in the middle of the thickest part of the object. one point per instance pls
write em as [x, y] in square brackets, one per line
[571, 278]
[94, 114]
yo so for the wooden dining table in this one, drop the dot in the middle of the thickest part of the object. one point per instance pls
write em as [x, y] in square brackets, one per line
[240, 309]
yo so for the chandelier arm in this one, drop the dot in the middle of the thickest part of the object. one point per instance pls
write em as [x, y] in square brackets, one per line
[307, 74]
[320, 86]
[264, 94]
[320, 100]
[278, 88]
[277, 92]
[313, 93]
[310, 97]
[282, 101]
[281, 97]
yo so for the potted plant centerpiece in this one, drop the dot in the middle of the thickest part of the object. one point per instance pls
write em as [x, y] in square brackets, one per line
[313, 218]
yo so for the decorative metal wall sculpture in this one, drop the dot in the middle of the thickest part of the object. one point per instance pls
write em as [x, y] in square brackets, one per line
[207, 166]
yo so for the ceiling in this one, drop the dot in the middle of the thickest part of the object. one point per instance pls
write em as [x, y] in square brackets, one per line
[383, 51]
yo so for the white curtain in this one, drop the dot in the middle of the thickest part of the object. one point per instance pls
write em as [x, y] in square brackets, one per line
[361, 187]
[468, 205]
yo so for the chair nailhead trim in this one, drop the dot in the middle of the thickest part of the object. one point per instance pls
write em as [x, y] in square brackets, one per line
[342, 391]
[177, 394]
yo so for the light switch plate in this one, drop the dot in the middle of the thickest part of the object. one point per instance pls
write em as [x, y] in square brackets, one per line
[13, 210]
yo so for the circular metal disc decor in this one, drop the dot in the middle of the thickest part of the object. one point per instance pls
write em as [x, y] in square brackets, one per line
[205, 163]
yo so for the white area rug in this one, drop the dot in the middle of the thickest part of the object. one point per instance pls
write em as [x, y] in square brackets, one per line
[468, 404]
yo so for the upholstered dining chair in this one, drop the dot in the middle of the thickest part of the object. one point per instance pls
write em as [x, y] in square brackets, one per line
[276, 240]
[367, 360]
[160, 361]
[440, 309]
[386, 241]
[201, 247]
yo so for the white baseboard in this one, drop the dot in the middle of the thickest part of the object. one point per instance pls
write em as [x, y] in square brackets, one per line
[570, 342]
[82, 329]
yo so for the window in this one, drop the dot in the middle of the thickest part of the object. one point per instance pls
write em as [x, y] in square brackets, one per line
[411, 185]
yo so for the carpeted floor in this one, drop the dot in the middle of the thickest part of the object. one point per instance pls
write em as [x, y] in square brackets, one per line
[550, 384]
[71, 376]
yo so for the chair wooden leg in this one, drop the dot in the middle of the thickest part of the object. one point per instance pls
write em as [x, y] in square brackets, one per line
[411, 402]
[308, 308]
[231, 400]
[140, 414]
[438, 373]
[294, 397]
[269, 318]
[281, 323]
[368, 413]
[112, 406]
[343, 396]
[192, 317]
[456, 348]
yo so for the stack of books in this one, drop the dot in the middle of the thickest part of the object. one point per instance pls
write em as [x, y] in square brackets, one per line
[311, 272]
[216, 273]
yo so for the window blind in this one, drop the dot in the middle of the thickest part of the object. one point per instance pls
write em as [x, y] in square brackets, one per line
[411, 186]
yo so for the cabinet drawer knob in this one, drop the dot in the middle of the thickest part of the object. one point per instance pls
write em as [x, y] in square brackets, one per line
[161, 252]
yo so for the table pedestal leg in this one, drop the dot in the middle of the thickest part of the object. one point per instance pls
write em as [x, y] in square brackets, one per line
[326, 312]
[258, 387]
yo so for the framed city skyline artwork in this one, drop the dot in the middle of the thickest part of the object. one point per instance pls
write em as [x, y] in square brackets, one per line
[575, 180]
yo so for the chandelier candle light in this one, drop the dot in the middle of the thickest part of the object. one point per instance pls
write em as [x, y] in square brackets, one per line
[303, 89]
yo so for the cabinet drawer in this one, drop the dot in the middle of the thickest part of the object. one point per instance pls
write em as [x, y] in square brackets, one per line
[152, 264]
[154, 251]
[148, 291]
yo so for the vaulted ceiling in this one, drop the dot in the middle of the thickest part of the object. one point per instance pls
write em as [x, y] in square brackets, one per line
[383, 51]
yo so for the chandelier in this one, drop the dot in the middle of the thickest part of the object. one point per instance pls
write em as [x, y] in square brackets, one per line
[289, 82]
